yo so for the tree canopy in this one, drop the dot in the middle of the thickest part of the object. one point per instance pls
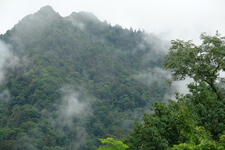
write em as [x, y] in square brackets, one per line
[202, 63]
[112, 144]
[195, 120]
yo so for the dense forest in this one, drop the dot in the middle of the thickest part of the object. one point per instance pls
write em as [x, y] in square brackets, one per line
[77, 83]
[67, 82]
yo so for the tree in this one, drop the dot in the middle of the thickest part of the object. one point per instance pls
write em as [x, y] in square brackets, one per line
[200, 139]
[202, 63]
[196, 120]
[167, 126]
[112, 144]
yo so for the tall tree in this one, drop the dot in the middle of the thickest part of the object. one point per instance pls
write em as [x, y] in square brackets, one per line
[196, 120]
[202, 63]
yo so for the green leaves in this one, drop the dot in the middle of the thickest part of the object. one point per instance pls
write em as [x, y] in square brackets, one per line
[196, 120]
[202, 63]
[166, 126]
[112, 144]
[200, 139]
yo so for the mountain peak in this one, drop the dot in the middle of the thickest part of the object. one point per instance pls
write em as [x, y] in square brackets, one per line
[82, 16]
[42, 15]
[47, 11]
[88, 15]
[47, 8]
[37, 21]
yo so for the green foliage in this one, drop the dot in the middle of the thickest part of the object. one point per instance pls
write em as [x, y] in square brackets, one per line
[196, 120]
[167, 126]
[210, 111]
[112, 144]
[200, 139]
[202, 63]
[87, 56]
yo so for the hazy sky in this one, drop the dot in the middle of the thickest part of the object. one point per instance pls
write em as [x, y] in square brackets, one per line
[172, 19]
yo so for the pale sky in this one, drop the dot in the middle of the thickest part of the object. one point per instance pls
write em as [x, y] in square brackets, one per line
[171, 19]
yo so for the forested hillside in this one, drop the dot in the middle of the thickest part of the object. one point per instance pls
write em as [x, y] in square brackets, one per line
[65, 82]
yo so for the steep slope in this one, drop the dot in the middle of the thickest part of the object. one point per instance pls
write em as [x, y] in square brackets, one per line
[75, 81]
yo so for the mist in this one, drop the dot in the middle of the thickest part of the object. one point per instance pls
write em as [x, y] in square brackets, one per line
[152, 75]
[72, 113]
[177, 86]
[178, 19]
[78, 19]
[7, 59]
[159, 76]
[5, 95]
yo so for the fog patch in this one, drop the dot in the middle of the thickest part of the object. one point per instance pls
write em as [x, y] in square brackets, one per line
[80, 138]
[177, 86]
[74, 104]
[158, 43]
[159, 76]
[75, 22]
[73, 112]
[27, 28]
[149, 76]
[160, 46]
[80, 19]
[7, 59]
[152, 49]
[5, 95]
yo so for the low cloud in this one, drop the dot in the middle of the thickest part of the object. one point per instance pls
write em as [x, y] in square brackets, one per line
[74, 104]
[152, 75]
[159, 76]
[158, 43]
[177, 86]
[5, 95]
[7, 59]
[157, 47]
[73, 113]
[79, 19]
[75, 22]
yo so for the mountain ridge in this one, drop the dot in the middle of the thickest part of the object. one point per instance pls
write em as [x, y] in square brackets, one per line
[75, 81]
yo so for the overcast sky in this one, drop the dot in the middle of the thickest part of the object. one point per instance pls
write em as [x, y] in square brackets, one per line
[172, 19]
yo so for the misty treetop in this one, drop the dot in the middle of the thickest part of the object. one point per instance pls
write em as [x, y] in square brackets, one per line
[196, 120]
[74, 81]
[202, 63]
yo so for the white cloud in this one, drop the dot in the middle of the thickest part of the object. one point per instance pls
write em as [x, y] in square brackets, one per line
[178, 86]
[159, 76]
[183, 19]
[72, 104]
[73, 107]
[5, 95]
[153, 75]
[7, 59]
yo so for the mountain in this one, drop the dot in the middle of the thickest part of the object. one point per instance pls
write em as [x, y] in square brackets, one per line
[68, 81]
